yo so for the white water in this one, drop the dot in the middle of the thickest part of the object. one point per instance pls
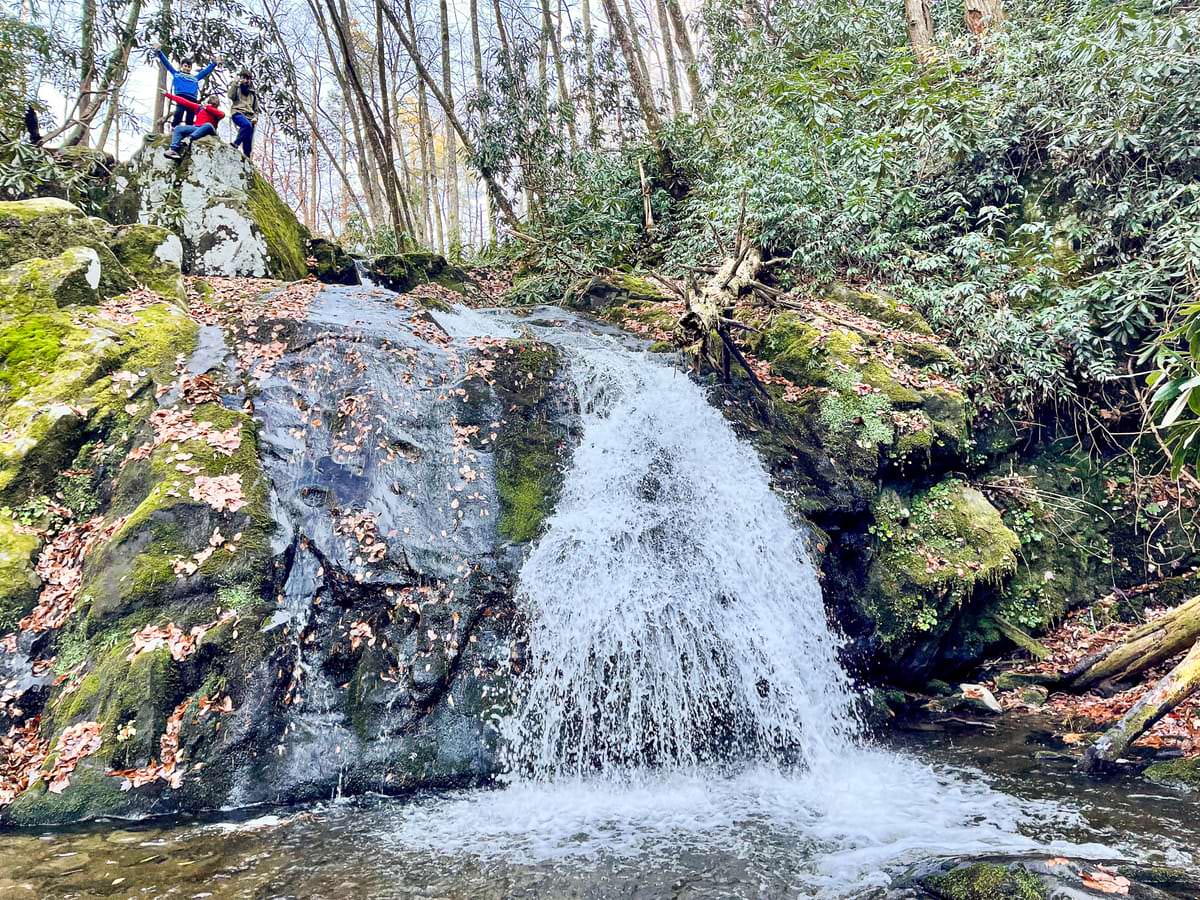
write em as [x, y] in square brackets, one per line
[674, 618]
[684, 693]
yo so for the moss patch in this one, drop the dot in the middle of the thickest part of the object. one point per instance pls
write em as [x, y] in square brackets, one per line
[285, 236]
[46, 227]
[987, 881]
[934, 550]
[18, 582]
[528, 448]
[137, 247]
[1178, 773]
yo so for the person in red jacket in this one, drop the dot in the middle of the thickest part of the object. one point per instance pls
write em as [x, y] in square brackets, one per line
[207, 117]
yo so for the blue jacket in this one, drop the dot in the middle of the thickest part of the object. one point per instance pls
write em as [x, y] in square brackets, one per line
[185, 83]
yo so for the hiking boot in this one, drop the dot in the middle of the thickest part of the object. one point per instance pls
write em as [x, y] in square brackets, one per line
[171, 153]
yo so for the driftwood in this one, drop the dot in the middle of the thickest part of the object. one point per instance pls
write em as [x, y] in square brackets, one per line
[1144, 647]
[1171, 690]
[704, 327]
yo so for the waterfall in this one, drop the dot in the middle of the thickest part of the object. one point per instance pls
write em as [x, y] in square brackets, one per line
[674, 617]
[681, 702]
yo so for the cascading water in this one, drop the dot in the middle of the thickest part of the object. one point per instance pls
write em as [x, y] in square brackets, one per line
[674, 618]
[683, 702]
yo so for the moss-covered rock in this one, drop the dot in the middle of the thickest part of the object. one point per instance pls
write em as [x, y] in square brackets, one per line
[987, 881]
[164, 526]
[529, 448]
[153, 257]
[1177, 773]
[936, 549]
[228, 217]
[56, 384]
[70, 279]
[403, 271]
[18, 582]
[46, 227]
[330, 263]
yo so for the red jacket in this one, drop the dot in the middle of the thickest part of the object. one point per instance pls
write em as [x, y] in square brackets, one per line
[205, 115]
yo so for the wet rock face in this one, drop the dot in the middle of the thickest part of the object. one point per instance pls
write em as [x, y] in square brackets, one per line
[379, 435]
[348, 623]
[229, 218]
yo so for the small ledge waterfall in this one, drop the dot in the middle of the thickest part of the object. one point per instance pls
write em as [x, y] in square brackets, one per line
[674, 617]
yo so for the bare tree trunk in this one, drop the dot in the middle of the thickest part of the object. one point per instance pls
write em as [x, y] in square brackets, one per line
[589, 49]
[502, 32]
[559, 72]
[919, 22]
[87, 66]
[477, 59]
[641, 86]
[313, 185]
[453, 237]
[366, 173]
[408, 40]
[91, 100]
[1172, 689]
[635, 38]
[164, 34]
[684, 42]
[982, 16]
[664, 25]
[431, 175]
[340, 17]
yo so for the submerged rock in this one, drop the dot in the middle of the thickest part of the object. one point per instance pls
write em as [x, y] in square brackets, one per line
[229, 218]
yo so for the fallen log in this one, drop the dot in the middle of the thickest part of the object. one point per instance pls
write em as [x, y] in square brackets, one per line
[704, 327]
[1144, 647]
[708, 303]
[1171, 690]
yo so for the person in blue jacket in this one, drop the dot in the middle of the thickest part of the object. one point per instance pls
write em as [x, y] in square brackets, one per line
[185, 84]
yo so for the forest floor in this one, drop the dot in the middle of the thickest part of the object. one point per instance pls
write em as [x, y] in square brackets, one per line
[1078, 717]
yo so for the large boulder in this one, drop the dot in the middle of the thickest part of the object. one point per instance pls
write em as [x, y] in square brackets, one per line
[47, 226]
[229, 218]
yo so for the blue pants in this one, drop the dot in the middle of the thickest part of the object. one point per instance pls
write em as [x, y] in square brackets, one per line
[245, 135]
[183, 114]
[194, 132]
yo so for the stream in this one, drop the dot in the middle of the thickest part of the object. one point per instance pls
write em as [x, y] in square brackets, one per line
[684, 728]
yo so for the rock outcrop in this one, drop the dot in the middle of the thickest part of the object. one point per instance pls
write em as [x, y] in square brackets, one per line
[229, 218]
[260, 560]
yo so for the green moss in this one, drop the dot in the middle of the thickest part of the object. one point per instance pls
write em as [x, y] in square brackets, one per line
[163, 524]
[46, 227]
[285, 236]
[403, 271]
[91, 793]
[882, 308]
[136, 247]
[1180, 773]
[804, 354]
[987, 881]
[18, 582]
[935, 549]
[528, 447]
[637, 287]
[864, 418]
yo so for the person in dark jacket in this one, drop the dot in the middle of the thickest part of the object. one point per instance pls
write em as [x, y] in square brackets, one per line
[206, 117]
[185, 84]
[243, 107]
